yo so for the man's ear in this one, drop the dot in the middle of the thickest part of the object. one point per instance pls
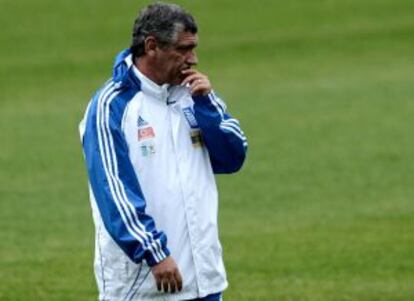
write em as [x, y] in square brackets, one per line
[150, 46]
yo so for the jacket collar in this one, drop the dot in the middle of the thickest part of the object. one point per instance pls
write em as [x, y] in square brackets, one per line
[127, 74]
[151, 88]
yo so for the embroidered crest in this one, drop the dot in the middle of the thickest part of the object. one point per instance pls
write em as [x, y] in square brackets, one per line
[189, 115]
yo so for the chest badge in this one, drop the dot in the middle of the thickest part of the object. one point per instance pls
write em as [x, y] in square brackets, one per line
[145, 131]
[189, 115]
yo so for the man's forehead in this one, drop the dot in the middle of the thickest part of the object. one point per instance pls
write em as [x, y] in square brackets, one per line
[187, 38]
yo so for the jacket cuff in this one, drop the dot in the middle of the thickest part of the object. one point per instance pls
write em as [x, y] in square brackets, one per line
[153, 260]
[201, 98]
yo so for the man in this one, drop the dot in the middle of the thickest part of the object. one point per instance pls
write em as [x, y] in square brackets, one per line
[153, 137]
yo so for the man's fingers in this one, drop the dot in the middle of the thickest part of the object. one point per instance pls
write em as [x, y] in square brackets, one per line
[191, 75]
[173, 285]
[191, 78]
[179, 280]
[158, 280]
[167, 276]
[188, 71]
[200, 88]
[199, 82]
[165, 283]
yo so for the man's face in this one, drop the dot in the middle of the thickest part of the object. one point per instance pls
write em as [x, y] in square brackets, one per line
[177, 57]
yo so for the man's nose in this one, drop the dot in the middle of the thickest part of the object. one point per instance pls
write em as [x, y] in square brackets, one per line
[192, 59]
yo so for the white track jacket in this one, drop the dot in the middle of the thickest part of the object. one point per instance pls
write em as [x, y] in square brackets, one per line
[151, 153]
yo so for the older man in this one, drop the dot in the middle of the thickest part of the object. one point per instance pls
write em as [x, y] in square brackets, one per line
[153, 137]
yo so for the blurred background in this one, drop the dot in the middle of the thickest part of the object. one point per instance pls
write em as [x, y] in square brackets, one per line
[323, 208]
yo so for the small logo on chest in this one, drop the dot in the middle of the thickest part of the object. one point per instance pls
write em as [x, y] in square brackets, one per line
[145, 131]
[147, 150]
[141, 122]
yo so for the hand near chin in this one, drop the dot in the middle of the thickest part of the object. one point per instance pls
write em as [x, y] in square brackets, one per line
[199, 83]
[167, 276]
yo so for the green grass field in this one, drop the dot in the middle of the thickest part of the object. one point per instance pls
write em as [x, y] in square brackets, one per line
[324, 207]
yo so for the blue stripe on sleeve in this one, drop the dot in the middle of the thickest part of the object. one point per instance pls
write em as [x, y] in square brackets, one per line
[118, 195]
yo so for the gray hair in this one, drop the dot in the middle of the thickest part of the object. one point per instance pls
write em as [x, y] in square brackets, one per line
[162, 21]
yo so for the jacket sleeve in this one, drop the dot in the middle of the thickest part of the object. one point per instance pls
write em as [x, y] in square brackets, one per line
[115, 185]
[224, 139]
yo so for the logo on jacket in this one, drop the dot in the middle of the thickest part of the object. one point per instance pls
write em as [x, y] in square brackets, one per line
[141, 122]
[189, 115]
[145, 131]
[147, 150]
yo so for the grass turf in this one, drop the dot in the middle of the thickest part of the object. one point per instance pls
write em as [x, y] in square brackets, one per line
[323, 209]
